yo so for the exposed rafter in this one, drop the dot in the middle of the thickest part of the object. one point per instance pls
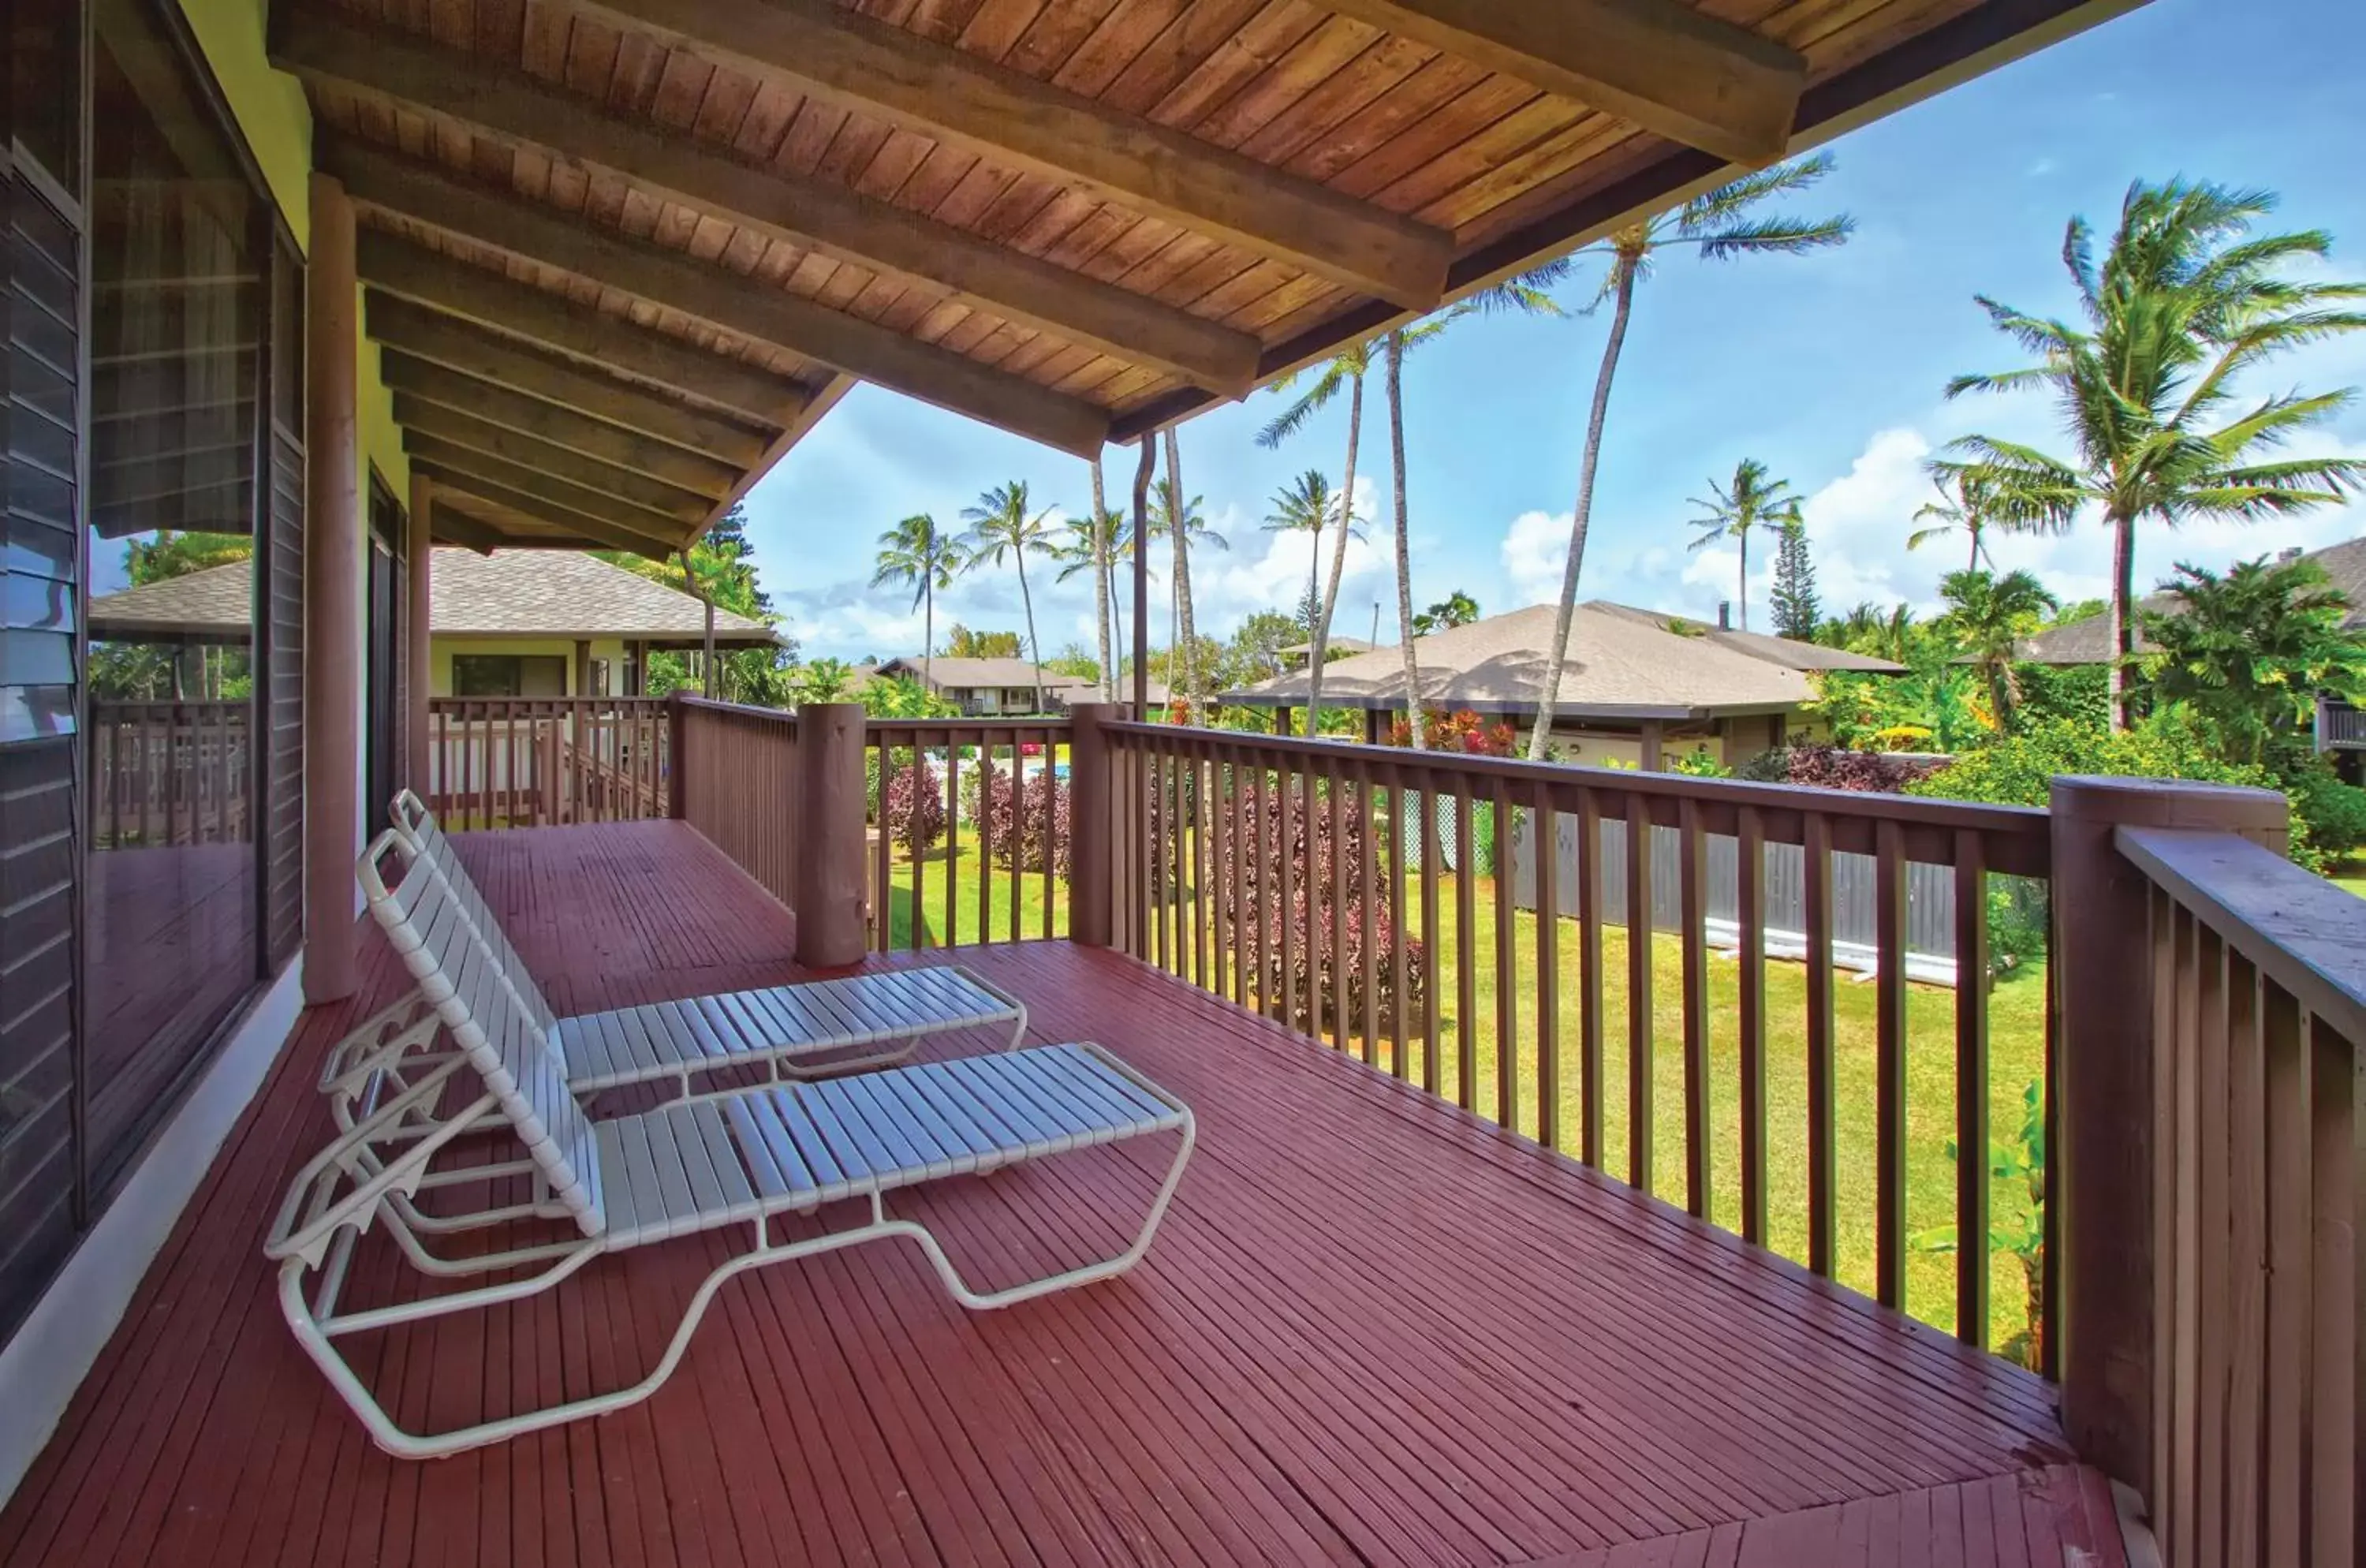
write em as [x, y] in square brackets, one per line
[419, 416]
[1690, 77]
[532, 416]
[557, 489]
[447, 522]
[527, 504]
[849, 59]
[414, 272]
[800, 209]
[463, 346]
[738, 304]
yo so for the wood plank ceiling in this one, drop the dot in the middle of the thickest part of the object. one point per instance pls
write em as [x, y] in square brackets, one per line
[621, 254]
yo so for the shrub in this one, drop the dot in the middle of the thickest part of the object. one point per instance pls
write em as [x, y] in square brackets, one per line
[1024, 822]
[1835, 767]
[915, 817]
[2334, 812]
[1463, 731]
[1248, 886]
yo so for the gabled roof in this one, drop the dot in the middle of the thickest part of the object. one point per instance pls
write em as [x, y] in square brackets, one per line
[509, 594]
[1788, 652]
[2089, 641]
[1618, 666]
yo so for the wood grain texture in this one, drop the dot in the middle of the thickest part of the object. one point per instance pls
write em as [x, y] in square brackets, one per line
[1571, 1370]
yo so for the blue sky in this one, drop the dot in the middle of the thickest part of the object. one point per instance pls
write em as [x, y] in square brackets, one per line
[1829, 368]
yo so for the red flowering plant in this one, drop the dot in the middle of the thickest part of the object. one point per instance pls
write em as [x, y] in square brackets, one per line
[1461, 731]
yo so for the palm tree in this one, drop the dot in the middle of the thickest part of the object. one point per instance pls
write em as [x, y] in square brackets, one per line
[1001, 529]
[1962, 507]
[917, 554]
[1182, 637]
[1734, 508]
[1346, 370]
[1987, 615]
[1719, 225]
[1306, 507]
[1104, 538]
[2184, 301]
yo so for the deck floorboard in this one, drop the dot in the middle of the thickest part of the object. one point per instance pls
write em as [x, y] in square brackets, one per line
[1372, 1329]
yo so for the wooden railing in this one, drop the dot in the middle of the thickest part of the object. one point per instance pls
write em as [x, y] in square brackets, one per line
[540, 762]
[2340, 726]
[169, 773]
[1381, 929]
[968, 830]
[737, 785]
[2258, 993]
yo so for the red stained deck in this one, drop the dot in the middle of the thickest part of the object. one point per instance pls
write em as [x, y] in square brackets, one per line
[1371, 1329]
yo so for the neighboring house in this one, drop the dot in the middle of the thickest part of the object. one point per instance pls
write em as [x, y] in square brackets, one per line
[1788, 652]
[2340, 726]
[512, 623]
[985, 687]
[1632, 690]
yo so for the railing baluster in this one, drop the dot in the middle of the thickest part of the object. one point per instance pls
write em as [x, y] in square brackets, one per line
[1691, 878]
[883, 894]
[1466, 952]
[1750, 893]
[1287, 805]
[953, 744]
[1589, 973]
[1269, 882]
[1310, 823]
[1972, 1088]
[1399, 1024]
[2246, 1203]
[2213, 1243]
[1368, 908]
[1342, 1026]
[2290, 1292]
[1822, 1112]
[1430, 856]
[2337, 1445]
[1641, 1127]
[1545, 830]
[1889, 1094]
[1226, 971]
[921, 784]
[1507, 984]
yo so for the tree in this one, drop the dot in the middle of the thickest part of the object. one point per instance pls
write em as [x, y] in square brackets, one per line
[919, 555]
[2184, 301]
[962, 643]
[1346, 370]
[2247, 653]
[1717, 224]
[719, 570]
[1796, 610]
[1185, 527]
[1732, 510]
[1307, 506]
[1987, 617]
[171, 554]
[1457, 609]
[1962, 508]
[1003, 530]
[1074, 662]
[1105, 531]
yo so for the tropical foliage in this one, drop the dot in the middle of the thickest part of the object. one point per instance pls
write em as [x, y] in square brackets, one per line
[1457, 609]
[924, 557]
[1987, 617]
[2247, 653]
[1797, 607]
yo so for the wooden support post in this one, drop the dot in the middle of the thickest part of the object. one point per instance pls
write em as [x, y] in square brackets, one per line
[582, 668]
[2103, 1171]
[1281, 720]
[333, 601]
[1090, 795]
[1652, 758]
[419, 648]
[829, 873]
[677, 774]
[1376, 725]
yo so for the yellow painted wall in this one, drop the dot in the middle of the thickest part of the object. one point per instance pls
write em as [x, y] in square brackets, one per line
[441, 651]
[278, 124]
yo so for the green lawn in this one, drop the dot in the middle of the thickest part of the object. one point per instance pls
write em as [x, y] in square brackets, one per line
[949, 903]
[2016, 1049]
[2350, 875]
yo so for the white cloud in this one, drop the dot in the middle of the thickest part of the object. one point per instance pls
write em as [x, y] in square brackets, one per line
[1535, 552]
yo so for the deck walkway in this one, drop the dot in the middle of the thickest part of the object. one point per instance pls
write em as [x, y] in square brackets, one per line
[1372, 1329]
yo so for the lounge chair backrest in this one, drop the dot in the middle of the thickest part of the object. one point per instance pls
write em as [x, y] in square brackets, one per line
[421, 916]
[418, 826]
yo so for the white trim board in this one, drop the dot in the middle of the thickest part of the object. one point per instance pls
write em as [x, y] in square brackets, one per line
[55, 1346]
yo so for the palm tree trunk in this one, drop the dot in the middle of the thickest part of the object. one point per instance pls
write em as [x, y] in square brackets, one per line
[1330, 596]
[1101, 569]
[928, 632]
[2123, 581]
[1182, 573]
[1420, 739]
[1742, 538]
[1034, 648]
[1583, 511]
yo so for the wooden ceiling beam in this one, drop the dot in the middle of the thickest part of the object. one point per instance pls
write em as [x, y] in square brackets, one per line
[743, 305]
[552, 488]
[1021, 122]
[532, 452]
[530, 506]
[458, 344]
[1689, 77]
[401, 267]
[547, 421]
[799, 209]
[446, 522]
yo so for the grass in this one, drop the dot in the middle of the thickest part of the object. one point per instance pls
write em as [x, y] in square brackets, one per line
[2016, 1045]
[2350, 876]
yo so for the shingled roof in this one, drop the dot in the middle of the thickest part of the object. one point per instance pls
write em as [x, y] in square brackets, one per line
[1618, 666]
[509, 594]
[1789, 652]
[2089, 641]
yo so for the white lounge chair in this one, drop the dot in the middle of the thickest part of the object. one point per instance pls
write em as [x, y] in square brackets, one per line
[810, 1030]
[713, 1161]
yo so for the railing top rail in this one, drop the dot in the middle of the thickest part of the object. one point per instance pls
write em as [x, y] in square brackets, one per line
[989, 725]
[116, 708]
[729, 710]
[2298, 929]
[461, 704]
[2017, 839]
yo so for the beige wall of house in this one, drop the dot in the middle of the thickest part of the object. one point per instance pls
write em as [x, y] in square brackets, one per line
[445, 649]
[1730, 740]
